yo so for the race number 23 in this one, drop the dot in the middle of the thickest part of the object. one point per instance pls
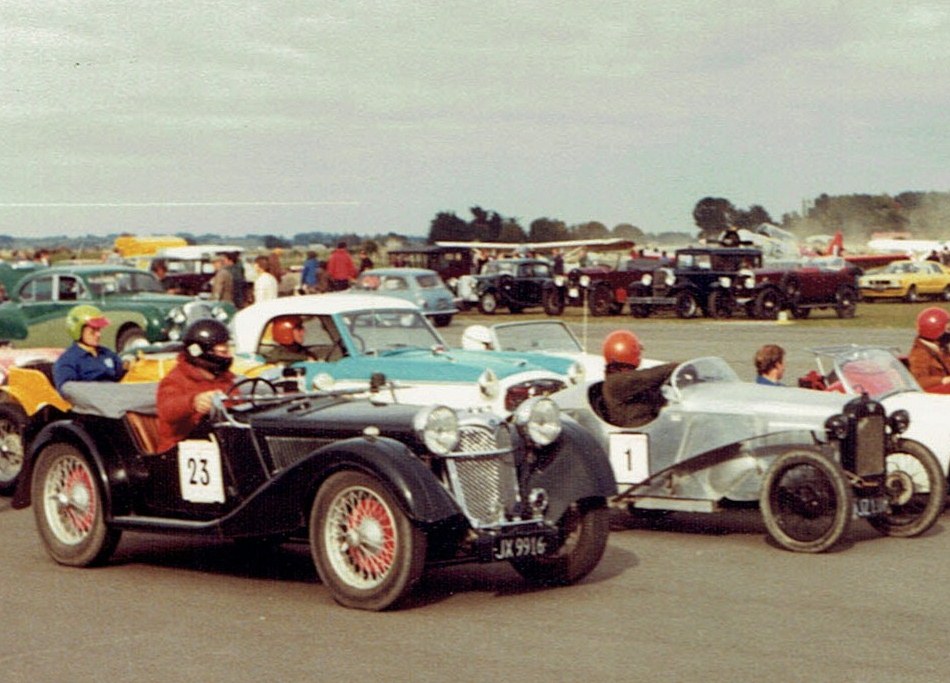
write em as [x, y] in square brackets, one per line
[199, 471]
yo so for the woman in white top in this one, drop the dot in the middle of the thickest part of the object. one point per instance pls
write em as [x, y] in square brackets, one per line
[265, 285]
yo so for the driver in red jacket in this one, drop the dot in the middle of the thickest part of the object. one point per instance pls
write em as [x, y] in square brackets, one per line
[185, 394]
[929, 357]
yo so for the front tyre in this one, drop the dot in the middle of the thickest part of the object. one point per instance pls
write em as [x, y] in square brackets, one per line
[916, 489]
[553, 302]
[584, 529]
[806, 502]
[68, 506]
[845, 302]
[488, 303]
[366, 551]
[12, 423]
[686, 305]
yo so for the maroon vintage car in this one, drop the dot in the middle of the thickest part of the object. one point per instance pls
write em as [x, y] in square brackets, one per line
[803, 285]
[603, 286]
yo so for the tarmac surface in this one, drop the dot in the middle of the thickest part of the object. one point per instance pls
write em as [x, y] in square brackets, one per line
[688, 598]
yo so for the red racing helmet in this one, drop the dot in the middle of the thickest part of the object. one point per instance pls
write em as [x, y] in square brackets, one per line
[622, 346]
[932, 322]
[284, 329]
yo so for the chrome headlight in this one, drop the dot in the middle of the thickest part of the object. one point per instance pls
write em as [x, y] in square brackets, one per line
[725, 282]
[174, 334]
[559, 280]
[585, 281]
[323, 381]
[837, 427]
[576, 373]
[438, 428]
[899, 421]
[646, 279]
[488, 384]
[219, 313]
[177, 316]
[539, 420]
[749, 281]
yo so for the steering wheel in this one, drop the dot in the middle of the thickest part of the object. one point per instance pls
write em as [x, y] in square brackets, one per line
[245, 392]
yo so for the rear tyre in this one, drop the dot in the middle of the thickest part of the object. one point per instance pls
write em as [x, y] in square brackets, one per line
[553, 302]
[912, 297]
[806, 502]
[845, 302]
[584, 529]
[686, 305]
[600, 302]
[721, 304]
[767, 305]
[916, 490]
[12, 423]
[366, 551]
[67, 503]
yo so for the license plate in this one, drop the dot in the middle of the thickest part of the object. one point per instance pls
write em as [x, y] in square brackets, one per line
[870, 507]
[513, 547]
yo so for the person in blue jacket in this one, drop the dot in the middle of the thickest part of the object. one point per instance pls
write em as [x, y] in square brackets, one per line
[86, 360]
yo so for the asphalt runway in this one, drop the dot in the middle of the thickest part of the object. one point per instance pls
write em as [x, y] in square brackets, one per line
[688, 598]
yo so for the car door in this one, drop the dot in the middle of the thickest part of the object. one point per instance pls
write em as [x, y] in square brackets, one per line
[46, 326]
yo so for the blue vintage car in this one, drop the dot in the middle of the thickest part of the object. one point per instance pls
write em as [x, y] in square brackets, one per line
[421, 286]
[356, 335]
[133, 300]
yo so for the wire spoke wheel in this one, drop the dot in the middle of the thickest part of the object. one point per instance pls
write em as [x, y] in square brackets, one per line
[12, 421]
[67, 503]
[806, 502]
[915, 486]
[366, 550]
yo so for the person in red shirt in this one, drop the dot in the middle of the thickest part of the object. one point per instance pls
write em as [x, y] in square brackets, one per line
[340, 268]
[185, 394]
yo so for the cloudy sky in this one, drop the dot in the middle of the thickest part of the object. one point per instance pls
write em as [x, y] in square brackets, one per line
[286, 117]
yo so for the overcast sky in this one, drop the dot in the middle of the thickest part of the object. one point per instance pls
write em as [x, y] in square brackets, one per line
[284, 117]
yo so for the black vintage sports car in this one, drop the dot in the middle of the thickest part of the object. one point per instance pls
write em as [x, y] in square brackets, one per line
[378, 489]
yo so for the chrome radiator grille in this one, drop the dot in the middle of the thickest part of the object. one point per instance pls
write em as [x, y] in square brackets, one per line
[484, 487]
[869, 448]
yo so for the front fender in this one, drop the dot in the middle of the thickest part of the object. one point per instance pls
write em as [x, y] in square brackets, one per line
[573, 468]
[284, 502]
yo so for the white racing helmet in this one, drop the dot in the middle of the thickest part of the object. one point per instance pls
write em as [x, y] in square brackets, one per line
[477, 338]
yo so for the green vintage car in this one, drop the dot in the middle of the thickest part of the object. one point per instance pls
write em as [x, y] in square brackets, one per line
[139, 310]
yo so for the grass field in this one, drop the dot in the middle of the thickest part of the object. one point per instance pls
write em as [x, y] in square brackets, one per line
[873, 314]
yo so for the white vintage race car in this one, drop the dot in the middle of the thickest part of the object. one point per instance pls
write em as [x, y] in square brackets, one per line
[812, 461]
[355, 336]
[877, 371]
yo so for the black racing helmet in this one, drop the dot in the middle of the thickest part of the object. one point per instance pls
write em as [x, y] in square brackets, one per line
[200, 339]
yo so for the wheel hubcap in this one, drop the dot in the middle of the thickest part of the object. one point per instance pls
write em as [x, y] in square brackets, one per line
[361, 538]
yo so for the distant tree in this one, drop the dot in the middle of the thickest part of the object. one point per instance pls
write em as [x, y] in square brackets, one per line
[449, 227]
[592, 230]
[370, 247]
[275, 242]
[547, 230]
[752, 217]
[712, 215]
[511, 232]
[628, 232]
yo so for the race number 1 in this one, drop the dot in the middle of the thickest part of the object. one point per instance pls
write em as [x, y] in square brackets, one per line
[629, 457]
[199, 471]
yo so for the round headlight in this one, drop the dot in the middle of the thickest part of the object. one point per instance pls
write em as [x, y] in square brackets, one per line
[539, 420]
[174, 334]
[177, 316]
[559, 280]
[837, 426]
[585, 281]
[323, 381]
[899, 421]
[725, 282]
[438, 428]
[218, 313]
[646, 279]
[488, 384]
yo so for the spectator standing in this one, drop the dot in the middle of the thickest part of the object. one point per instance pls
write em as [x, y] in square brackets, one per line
[232, 261]
[222, 283]
[310, 274]
[340, 268]
[558, 262]
[365, 261]
[265, 286]
[275, 267]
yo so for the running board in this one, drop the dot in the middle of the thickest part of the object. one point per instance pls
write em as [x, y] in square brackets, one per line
[165, 525]
[674, 504]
